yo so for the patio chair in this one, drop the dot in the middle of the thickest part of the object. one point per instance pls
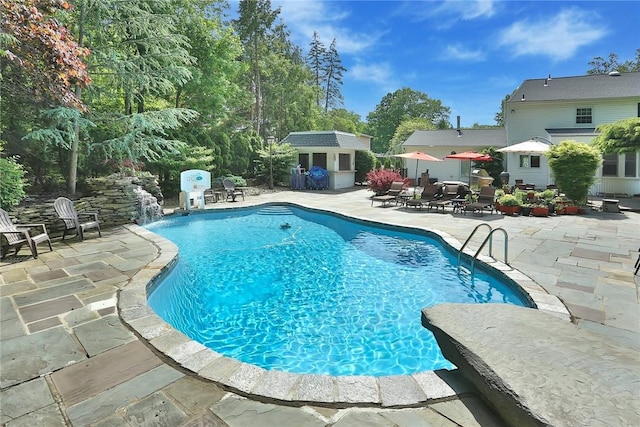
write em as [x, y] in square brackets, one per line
[391, 195]
[486, 200]
[232, 191]
[450, 192]
[429, 194]
[17, 235]
[67, 213]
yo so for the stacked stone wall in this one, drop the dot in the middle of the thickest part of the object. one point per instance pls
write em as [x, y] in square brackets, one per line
[113, 198]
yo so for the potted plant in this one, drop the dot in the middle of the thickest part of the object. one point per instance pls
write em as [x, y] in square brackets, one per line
[547, 195]
[540, 210]
[525, 209]
[571, 209]
[509, 204]
[559, 204]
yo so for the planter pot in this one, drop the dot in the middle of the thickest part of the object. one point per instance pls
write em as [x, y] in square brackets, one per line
[540, 211]
[571, 210]
[510, 210]
[552, 208]
[525, 211]
[560, 211]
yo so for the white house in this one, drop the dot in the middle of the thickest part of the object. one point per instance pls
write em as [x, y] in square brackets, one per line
[550, 110]
[441, 143]
[570, 108]
[331, 150]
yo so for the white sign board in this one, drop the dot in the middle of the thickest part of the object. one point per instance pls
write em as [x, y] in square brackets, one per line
[194, 182]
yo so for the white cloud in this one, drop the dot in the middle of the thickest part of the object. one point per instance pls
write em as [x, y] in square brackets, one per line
[380, 73]
[326, 18]
[449, 12]
[457, 52]
[468, 10]
[558, 37]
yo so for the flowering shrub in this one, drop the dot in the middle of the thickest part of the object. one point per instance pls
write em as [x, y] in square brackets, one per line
[379, 181]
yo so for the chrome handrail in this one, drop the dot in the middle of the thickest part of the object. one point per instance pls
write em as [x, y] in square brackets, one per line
[489, 239]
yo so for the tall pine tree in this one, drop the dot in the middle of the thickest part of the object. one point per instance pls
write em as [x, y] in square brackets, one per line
[316, 62]
[333, 78]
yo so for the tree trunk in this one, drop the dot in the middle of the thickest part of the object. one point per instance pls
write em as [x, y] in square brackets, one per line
[73, 162]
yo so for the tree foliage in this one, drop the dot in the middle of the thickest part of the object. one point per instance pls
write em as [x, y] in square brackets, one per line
[622, 136]
[499, 117]
[142, 136]
[574, 166]
[173, 86]
[398, 106]
[600, 65]
[341, 120]
[43, 59]
[279, 157]
[315, 62]
[12, 179]
[364, 162]
[405, 130]
[495, 167]
[333, 72]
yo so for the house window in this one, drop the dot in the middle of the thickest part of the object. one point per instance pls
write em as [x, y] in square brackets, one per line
[610, 165]
[344, 162]
[320, 160]
[583, 115]
[527, 161]
[630, 165]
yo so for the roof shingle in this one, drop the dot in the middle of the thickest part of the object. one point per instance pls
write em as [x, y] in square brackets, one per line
[331, 138]
[595, 86]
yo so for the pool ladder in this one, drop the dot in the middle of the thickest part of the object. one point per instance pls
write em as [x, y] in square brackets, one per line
[489, 239]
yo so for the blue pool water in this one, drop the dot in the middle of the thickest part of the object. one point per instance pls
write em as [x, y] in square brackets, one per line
[325, 295]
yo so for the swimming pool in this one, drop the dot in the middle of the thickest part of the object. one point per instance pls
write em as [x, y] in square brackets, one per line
[324, 295]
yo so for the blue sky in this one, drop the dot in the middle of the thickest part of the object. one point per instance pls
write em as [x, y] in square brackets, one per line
[467, 54]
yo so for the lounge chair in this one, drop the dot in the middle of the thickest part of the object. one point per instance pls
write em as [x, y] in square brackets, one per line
[429, 194]
[67, 213]
[486, 200]
[391, 195]
[232, 191]
[18, 235]
[450, 192]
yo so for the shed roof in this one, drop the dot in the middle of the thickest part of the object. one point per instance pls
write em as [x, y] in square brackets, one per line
[449, 137]
[594, 86]
[329, 138]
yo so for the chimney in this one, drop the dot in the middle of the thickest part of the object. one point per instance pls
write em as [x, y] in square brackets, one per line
[458, 122]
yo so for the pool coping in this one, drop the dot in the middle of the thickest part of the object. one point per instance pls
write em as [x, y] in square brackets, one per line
[301, 389]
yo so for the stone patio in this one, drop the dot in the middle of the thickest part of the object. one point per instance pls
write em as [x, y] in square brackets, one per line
[67, 357]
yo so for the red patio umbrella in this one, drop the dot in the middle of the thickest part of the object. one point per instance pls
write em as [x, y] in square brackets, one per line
[418, 155]
[470, 155]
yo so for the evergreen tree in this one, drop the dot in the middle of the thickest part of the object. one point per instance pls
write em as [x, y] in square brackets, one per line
[254, 27]
[315, 61]
[333, 78]
[142, 59]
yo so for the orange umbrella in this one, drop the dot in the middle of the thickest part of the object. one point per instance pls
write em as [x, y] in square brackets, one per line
[470, 155]
[418, 155]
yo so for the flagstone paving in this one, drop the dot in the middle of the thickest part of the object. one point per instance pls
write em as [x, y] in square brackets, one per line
[67, 357]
